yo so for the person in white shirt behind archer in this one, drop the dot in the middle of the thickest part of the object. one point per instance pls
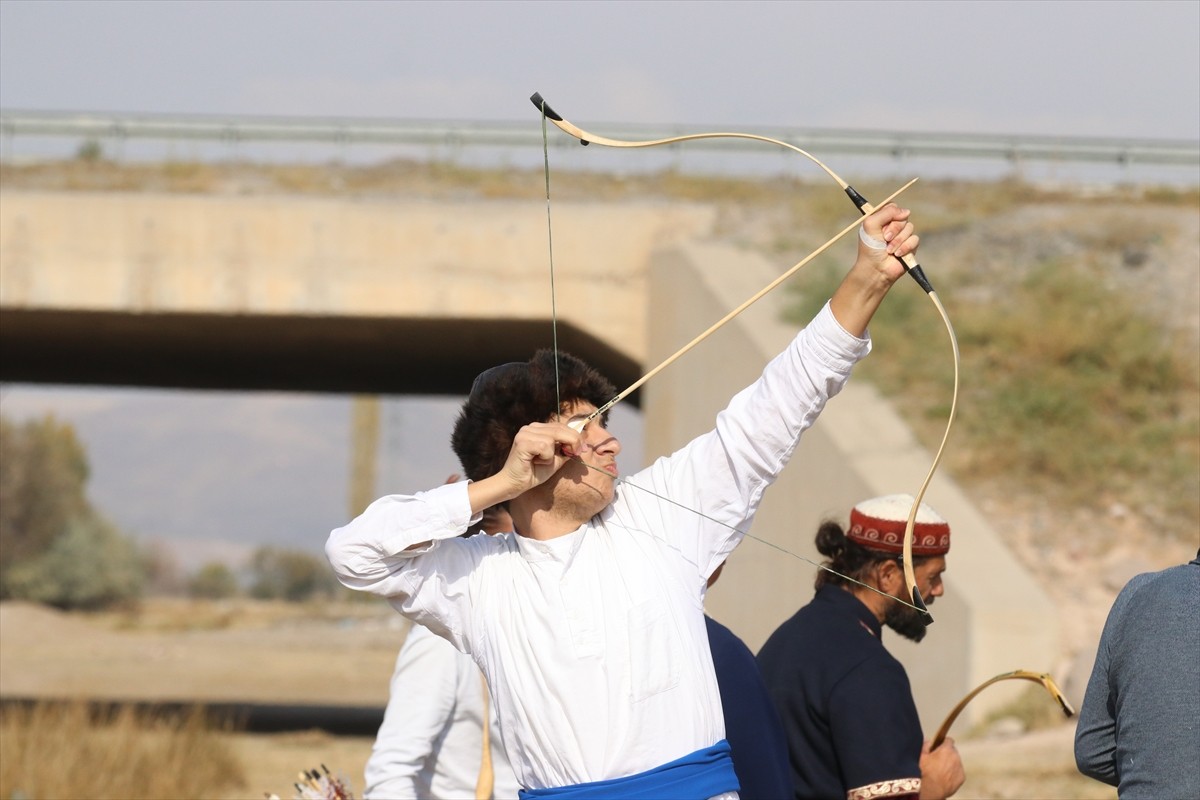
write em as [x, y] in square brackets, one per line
[431, 745]
[588, 619]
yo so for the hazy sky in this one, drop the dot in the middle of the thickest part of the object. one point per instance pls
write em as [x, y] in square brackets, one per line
[1071, 68]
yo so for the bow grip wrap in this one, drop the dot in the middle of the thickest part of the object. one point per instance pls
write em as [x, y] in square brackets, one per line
[864, 206]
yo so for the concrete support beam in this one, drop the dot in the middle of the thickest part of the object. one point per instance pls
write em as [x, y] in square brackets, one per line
[264, 255]
[202, 291]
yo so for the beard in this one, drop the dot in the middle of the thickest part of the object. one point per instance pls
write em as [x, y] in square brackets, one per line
[908, 622]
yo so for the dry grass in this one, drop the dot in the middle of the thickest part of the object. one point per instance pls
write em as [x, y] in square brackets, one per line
[1072, 390]
[61, 750]
[447, 179]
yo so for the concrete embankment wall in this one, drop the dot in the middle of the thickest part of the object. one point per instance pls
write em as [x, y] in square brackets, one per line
[993, 618]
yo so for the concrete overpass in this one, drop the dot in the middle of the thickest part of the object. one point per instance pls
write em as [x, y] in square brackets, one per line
[199, 292]
[399, 297]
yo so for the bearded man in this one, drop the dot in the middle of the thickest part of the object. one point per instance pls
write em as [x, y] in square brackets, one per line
[846, 703]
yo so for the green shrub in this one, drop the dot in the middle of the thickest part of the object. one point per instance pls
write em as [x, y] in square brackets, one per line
[292, 575]
[90, 566]
[90, 151]
[43, 471]
[213, 581]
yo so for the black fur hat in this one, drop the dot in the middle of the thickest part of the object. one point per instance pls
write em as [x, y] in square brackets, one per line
[503, 399]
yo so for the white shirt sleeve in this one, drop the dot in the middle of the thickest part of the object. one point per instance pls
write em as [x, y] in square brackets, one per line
[722, 474]
[430, 583]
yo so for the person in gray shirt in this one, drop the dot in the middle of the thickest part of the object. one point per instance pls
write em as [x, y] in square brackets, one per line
[1139, 728]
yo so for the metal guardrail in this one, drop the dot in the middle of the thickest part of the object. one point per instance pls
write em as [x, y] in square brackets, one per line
[460, 134]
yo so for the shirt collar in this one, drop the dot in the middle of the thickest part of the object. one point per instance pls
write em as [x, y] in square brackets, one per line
[560, 548]
[846, 603]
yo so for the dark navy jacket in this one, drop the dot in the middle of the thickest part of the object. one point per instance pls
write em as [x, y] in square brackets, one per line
[846, 703]
[752, 726]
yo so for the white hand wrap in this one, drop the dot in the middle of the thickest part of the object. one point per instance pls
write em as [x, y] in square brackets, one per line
[869, 240]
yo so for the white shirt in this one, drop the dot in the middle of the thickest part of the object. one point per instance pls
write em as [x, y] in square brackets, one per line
[430, 745]
[594, 643]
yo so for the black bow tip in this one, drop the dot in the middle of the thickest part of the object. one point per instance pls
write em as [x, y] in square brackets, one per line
[541, 105]
[919, 602]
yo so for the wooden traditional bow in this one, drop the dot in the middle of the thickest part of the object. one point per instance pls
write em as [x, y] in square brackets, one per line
[861, 203]
[1037, 677]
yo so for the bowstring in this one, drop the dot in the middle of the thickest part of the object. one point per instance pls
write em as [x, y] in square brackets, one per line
[550, 240]
[624, 482]
[866, 208]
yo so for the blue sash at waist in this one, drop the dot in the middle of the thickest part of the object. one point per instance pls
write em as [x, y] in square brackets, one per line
[696, 776]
